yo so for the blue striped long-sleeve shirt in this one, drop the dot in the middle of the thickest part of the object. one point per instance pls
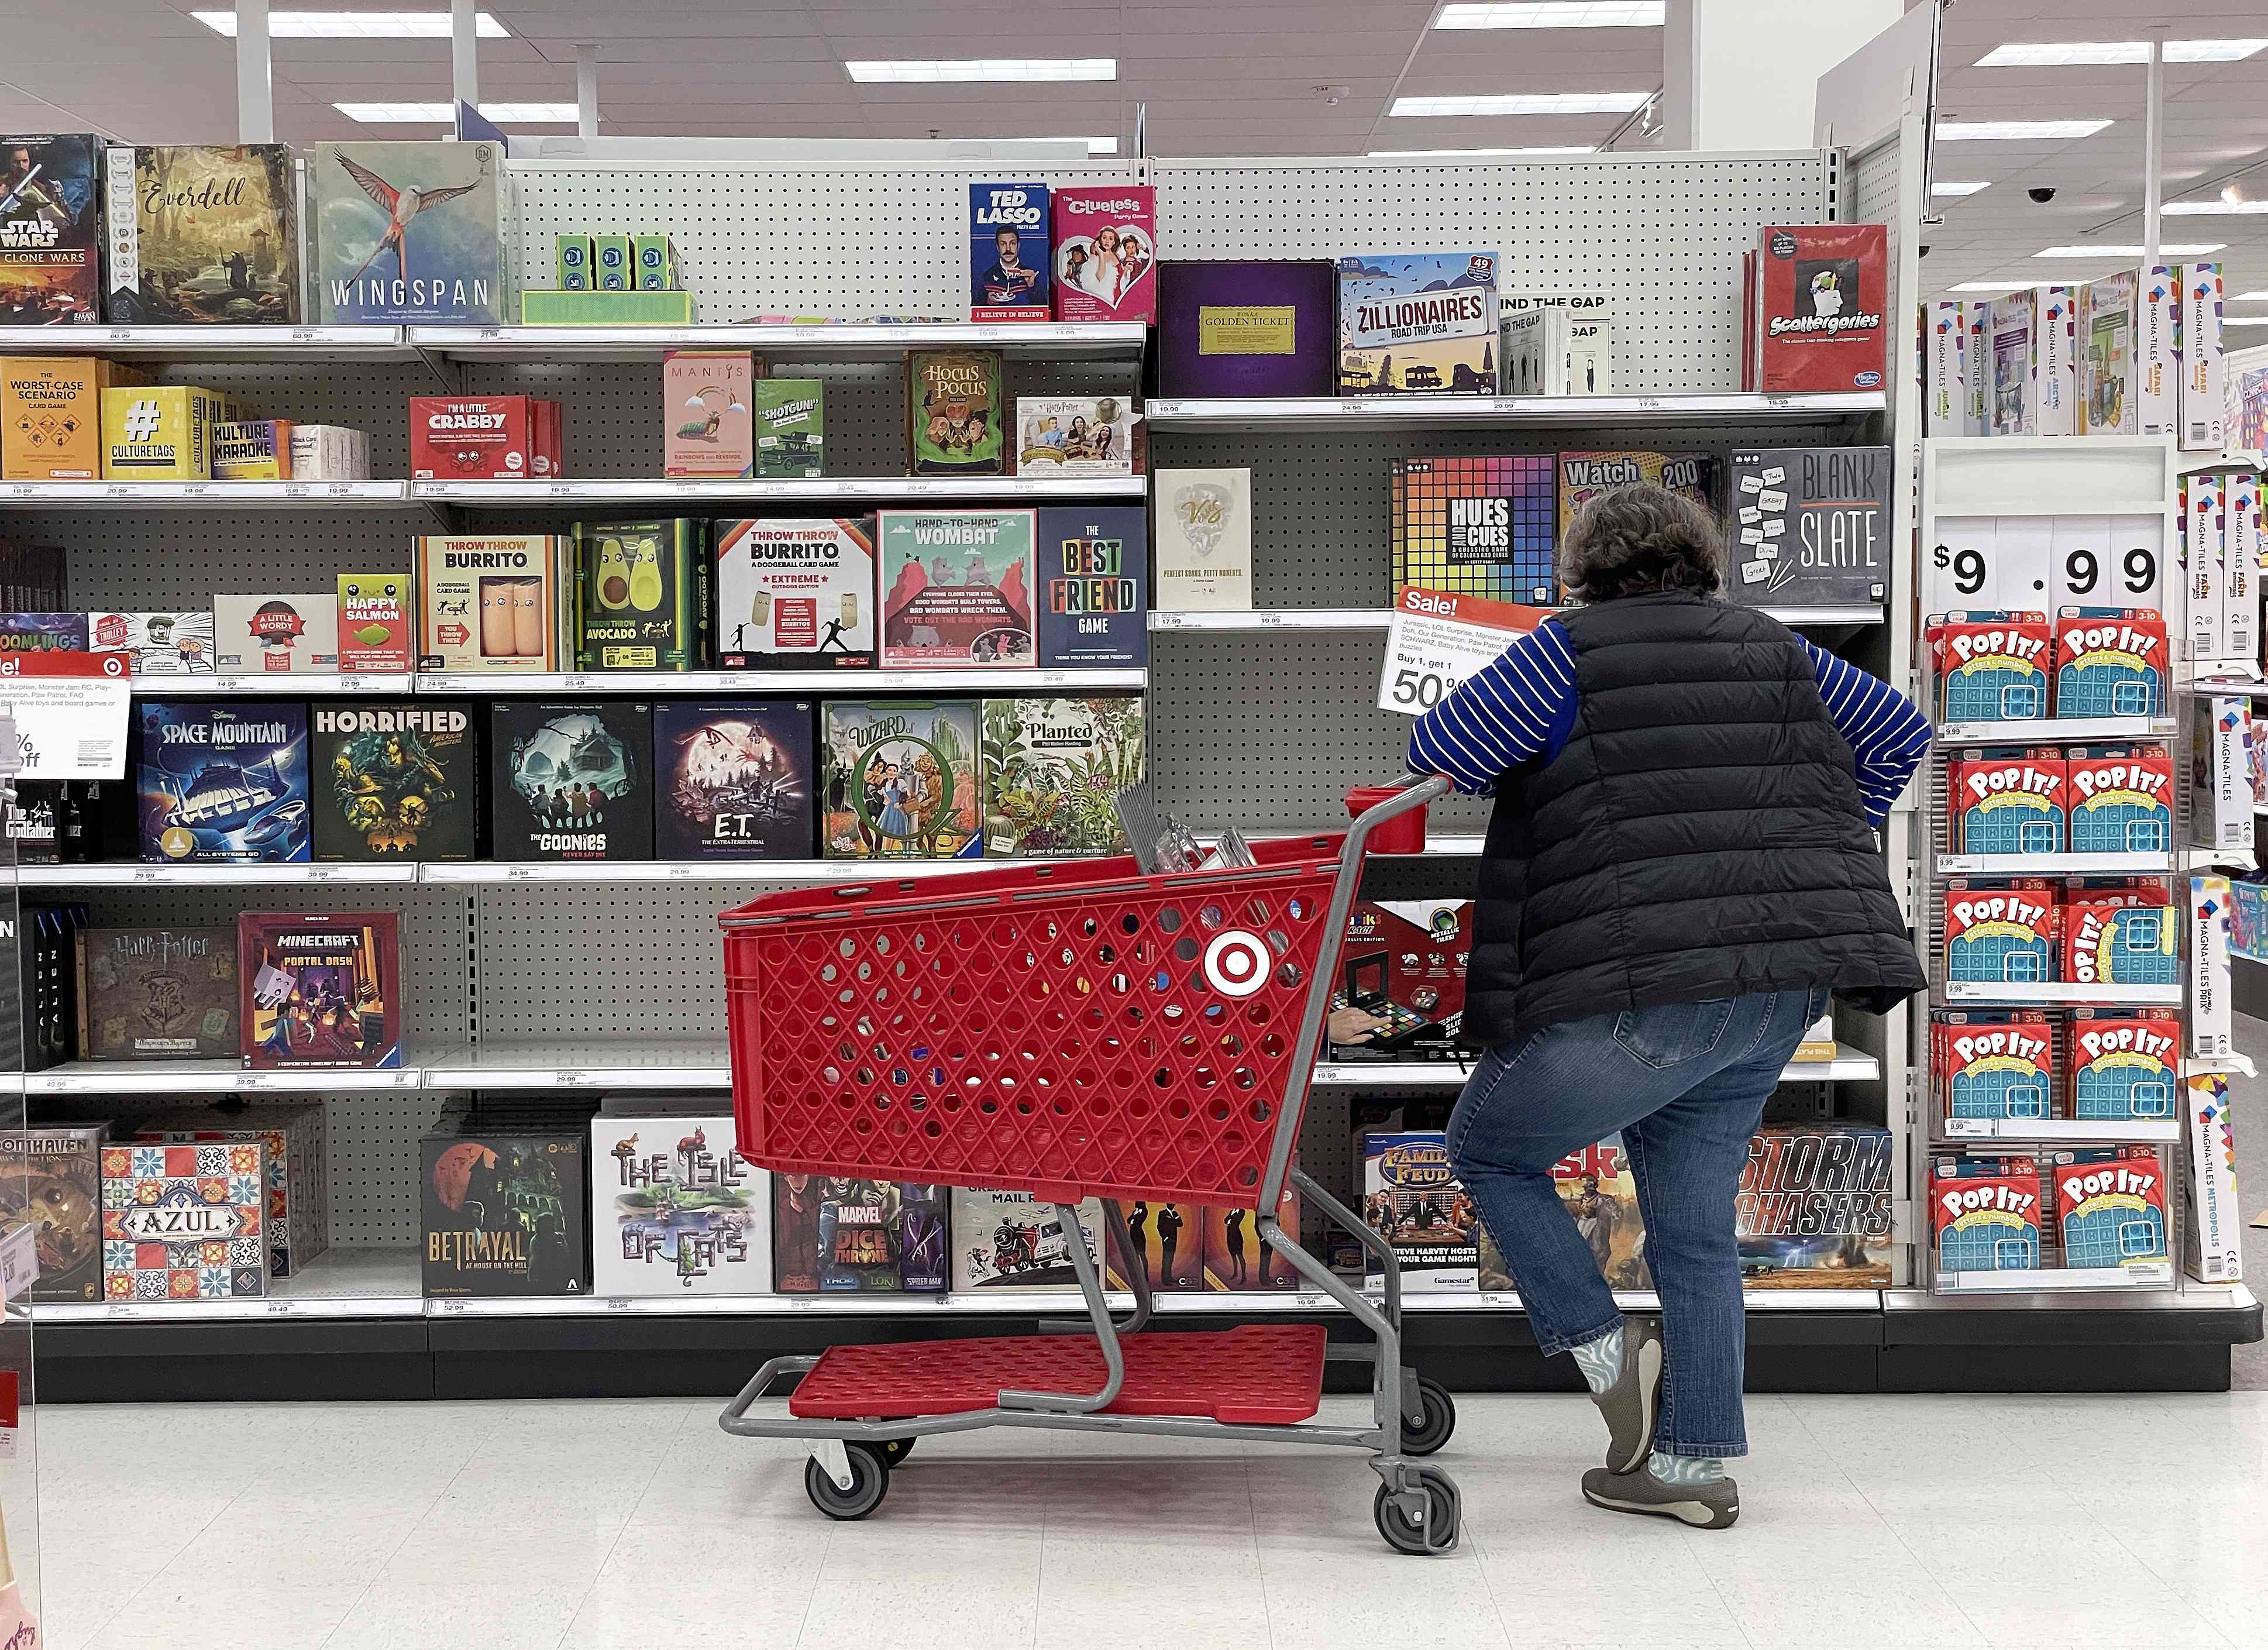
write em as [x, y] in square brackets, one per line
[1523, 706]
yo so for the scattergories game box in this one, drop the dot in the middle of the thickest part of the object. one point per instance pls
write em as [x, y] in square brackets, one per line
[571, 781]
[320, 988]
[1821, 307]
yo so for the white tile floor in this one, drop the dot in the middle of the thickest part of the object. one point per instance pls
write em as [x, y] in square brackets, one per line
[1866, 1522]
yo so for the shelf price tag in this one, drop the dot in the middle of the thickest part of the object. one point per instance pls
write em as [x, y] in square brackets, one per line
[1436, 638]
[71, 712]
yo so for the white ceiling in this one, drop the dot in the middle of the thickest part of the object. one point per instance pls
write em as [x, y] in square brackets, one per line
[1218, 77]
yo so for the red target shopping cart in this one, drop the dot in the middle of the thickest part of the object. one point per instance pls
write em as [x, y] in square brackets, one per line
[1073, 1029]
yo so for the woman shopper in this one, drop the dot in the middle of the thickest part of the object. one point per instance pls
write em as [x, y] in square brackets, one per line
[1678, 876]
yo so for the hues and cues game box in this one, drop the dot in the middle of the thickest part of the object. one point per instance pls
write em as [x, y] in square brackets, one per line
[572, 780]
[1483, 527]
[1008, 252]
[224, 785]
[320, 988]
[734, 781]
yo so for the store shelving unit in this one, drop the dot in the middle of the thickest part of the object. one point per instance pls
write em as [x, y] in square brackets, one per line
[1505, 412]
[815, 492]
[837, 344]
[233, 496]
[213, 343]
[1244, 619]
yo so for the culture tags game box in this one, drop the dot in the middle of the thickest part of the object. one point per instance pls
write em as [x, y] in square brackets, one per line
[899, 780]
[1236, 327]
[493, 603]
[1011, 1240]
[956, 589]
[954, 412]
[395, 779]
[223, 784]
[506, 1205]
[642, 594]
[1810, 525]
[184, 1222]
[734, 780]
[2110, 1207]
[1417, 323]
[1985, 1213]
[157, 644]
[1052, 769]
[1093, 585]
[50, 231]
[267, 635]
[1991, 667]
[2125, 1062]
[202, 233]
[1008, 260]
[1482, 527]
[838, 1236]
[320, 988]
[156, 993]
[1583, 476]
[51, 1180]
[1821, 292]
[1992, 1063]
[795, 592]
[409, 232]
[675, 1209]
[572, 782]
[1106, 252]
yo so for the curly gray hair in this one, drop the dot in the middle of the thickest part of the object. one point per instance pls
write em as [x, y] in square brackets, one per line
[1639, 540]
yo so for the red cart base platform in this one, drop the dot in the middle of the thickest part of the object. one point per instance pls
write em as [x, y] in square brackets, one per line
[1256, 1374]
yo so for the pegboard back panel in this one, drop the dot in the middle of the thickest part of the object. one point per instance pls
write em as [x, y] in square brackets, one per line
[639, 959]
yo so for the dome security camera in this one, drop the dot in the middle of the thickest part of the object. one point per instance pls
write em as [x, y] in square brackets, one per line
[2042, 195]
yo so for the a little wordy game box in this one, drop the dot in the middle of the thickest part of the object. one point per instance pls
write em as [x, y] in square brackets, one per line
[1985, 1213]
[1993, 1063]
[2002, 934]
[2011, 803]
[2121, 799]
[2110, 1207]
[2120, 934]
[2122, 1062]
[1991, 667]
[2110, 662]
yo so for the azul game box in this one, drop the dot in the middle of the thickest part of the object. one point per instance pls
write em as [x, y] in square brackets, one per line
[1824, 293]
[395, 779]
[1411, 1198]
[409, 232]
[733, 780]
[1985, 1213]
[295, 1155]
[158, 643]
[1075, 435]
[2110, 662]
[184, 1222]
[51, 1180]
[320, 988]
[507, 1204]
[2009, 933]
[571, 781]
[707, 428]
[2011, 803]
[837, 1236]
[487, 603]
[1991, 667]
[1583, 476]
[791, 421]
[900, 779]
[201, 233]
[1417, 323]
[956, 589]
[1991, 1063]
[1093, 585]
[1106, 252]
[1053, 769]
[1248, 329]
[1011, 1240]
[1482, 527]
[156, 993]
[267, 636]
[2125, 1062]
[50, 231]
[675, 1210]
[1810, 526]
[221, 785]
[2110, 1207]
[795, 592]
[642, 594]
[954, 416]
[1008, 252]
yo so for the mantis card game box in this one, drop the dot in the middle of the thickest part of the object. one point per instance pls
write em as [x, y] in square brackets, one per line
[2123, 1063]
[156, 993]
[1985, 1213]
[320, 988]
[954, 420]
[795, 592]
[2109, 661]
[202, 233]
[675, 1210]
[1992, 1063]
[642, 594]
[2010, 802]
[409, 232]
[1106, 252]
[395, 779]
[51, 231]
[2121, 798]
[956, 589]
[708, 428]
[572, 780]
[224, 785]
[184, 1222]
[1483, 527]
[2110, 1207]
[51, 1180]
[1093, 585]
[1991, 667]
[1008, 225]
[1823, 289]
[733, 780]
[1052, 768]
[506, 1204]
[900, 779]
[1422, 323]
[2004, 934]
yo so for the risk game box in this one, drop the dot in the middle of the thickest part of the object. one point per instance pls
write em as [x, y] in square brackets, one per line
[2123, 1063]
[733, 780]
[1991, 667]
[837, 1236]
[202, 233]
[320, 988]
[1010, 1240]
[267, 636]
[1422, 323]
[490, 604]
[2110, 1207]
[184, 1222]
[1400, 991]
[1008, 225]
[1483, 527]
[1824, 292]
[1093, 585]
[795, 592]
[1991, 1063]
[2109, 661]
[953, 418]
[1244, 329]
[899, 780]
[1106, 252]
[2014, 802]
[791, 422]
[295, 1157]
[409, 232]
[1985, 1213]
[1052, 768]
[571, 782]
[1810, 526]
[1814, 1208]
[1583, 476]
[642, 594]
[51, 1180]
[956, 589]
[707, 427]
[506, 1205]
[156, 993]
[1413, 1198]
[1595, 1187]
[158, 643]
[395, 779]
[50, 231]
[675, 1210]
[2007, 933]
[222, 784]
[1075, 435]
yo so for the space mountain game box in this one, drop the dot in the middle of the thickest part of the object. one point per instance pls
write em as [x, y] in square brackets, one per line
[222, 784]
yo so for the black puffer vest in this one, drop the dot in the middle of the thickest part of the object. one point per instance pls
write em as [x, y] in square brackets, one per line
[1700, 835]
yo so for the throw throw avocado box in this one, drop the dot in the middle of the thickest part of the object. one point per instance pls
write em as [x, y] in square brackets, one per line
[642, 594]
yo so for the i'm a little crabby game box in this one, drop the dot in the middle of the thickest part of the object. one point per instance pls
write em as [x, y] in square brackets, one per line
[1991, 1063]
[2122, 1062]
[2110, 662]
[2121, 798]
[2110, 1207]
[1985, 1213]
[1991, 667]
[2002, 934]
[2011, 803]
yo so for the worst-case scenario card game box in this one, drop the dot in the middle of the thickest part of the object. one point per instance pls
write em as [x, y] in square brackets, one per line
[1823, 292]
[201, 233]
[899, 778]
[320, 988]
[1052, 768]
[158, 643]
[956, 588]
[267, 635]
[675, 1209]
[1483, 526]
[156, 993]
[1093, 585]
[1417, 323]
[51, 1180]
[832, 1235]
[795, 592]
[224, 785]
[571, 781]
[493, 603]
[734, 780]
[50, 230]
[409, 232]
[1106, 252]
[506, 1205]
[395, 779]
[1008, 226]
[1810, 525]
[184, 1222]
[51, 415]
[954, 412]
[642, 594]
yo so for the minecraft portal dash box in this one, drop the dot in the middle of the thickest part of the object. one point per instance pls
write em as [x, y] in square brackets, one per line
[2013, 803]
[2122, 1062]
[2125, 934]
[2110, 662]
[2005, 934]
[1985, 1213]
[1991, 667]
[320, 988]
[2121, 798]
[2110, 1207]
[1991, 1063]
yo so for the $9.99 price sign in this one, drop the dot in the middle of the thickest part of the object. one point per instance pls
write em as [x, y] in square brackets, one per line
[1438, 638]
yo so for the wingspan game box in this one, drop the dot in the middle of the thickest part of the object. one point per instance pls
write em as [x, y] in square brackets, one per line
[1483, 527]
[320, 988]
[409, 232]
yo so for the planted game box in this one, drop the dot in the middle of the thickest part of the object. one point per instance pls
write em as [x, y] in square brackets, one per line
[1583, 476]
[733, 780]
[440, 262]
[572, 782]
[1422, 323]
[1011, 1240]
[156, 993]
[1991, 667]
[1248, 327]
[1075, 435]
[1985, 1213]
[51, 1180]
[2009, 933]
[320, 988]
[795, 592]
[506, 1206]
[1483, 527]
[201, 233]
[837, 1236]
[224, 785]
[2123, 1063]
[642, 594]
[956, 589]
[708, 427]
[2110, 1207]
[2109, 661]
[184, 1222]
[1106, 252]
[675, 1210]
[266, 636]
[1411, 1198]
[2011, 803]
[395, 779]
[295, 1151]
[791, 422]
[1008, 225]
[900, 779]
[1093, 585]
[493, 603]
[50, 231]
[953, 418]
[1052, 768]
[1824, 288]
[1991, 1063]
[1810, 526]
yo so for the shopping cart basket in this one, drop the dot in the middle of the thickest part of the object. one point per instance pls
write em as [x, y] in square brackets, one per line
[1073, 1029]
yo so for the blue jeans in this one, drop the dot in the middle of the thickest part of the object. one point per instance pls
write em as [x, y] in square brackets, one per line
[1685, 1085]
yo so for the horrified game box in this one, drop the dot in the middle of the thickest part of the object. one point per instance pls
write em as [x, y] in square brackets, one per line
[734, 781]
[320, 988]
[50, 231]
[201, 233]
[572, 780]
[395, 779]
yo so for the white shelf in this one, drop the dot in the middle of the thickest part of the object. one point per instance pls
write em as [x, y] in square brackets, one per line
[862, 341]
[381, 495]
[2063, 730]
[598, 1064]
[1422, 412]
[212, 343]
[356, 1282]
[2050, 864]
[830, 681]
[1959, 1131]
[2051, 994]
[118, 875]
[2219, 858]
[211, 1076]
[2231, 1064]
[814, 490]
[1849, 1066]
[289, 684]
[1379, 618]
[852, 871]
[2051, 1279]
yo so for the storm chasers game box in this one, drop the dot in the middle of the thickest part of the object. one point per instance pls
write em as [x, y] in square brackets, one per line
[1052, 768]
[734, 781]
[202, 233]
[409, 232]
[1483, 527]
[1814, 1208]
[1422, 323]
[956, 589]
[506, 1205]
[899, 780]
[1093, 585]
[156, 993]
[1822, 322]
[571, 781]
[395, 779]
[675, 1210]
[223, 784]
[1810, 526]
[1008, 252]
[320, 988]
[795, 592]
[50, 230]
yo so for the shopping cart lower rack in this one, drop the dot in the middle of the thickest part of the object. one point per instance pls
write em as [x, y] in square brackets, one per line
[1073, 1029]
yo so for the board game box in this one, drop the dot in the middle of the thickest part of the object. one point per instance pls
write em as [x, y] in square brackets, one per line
[642, 594]
[221, 785]
[1205, 540]
[1011, 1240]
[50, 231]
[51, 415]
[1400, 991]
[440, 262]
[1169, 1237]
[51, 1180]
[1991, 667]
[1810, 525]
[1093, 585]
[156, 993]
[572, 782]
[493, 603]
[43, 633]
[1583, 476]
[1595, 1187]
[1985, 1213]
[2125, 1062]
[1106, 252]
[795, 592]
[160, 432]
[957, 589]
[1417, 323]
[2010, 803]
[1482, 527]
[201, 233]
[2125, 934]
[374, 624]
[1248, 327]
[733, 780]
[675, 1209]
[2110, 1207]
[2015, 396]
[1824, 289]
[2109, 405]
[157, 644]
[320, 988]
[708, 428]
[1052, 771]
[953, 419]
[506, 1206]
[900, 779]
[1008, 260]
[184, 1222]
[1239, 1259]
[791, 422]
[1992, 1063]
[2005, 934]
[478, 438]
[1075, 435]
[295, 1156]
[2059, 356]
[833, 1235]
[1814, 1210]
[395, 779]
[1411, 1198]
[2109, 661]
[267, 636]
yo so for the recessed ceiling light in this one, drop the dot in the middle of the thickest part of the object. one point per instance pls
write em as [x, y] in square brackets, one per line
[2171, 249]
[1957, 189]
[2014, 131]
[2212, 209]
[2064, 53]
[1555, 14]
[2260, 297]
[2244, 320]
[1095, 145]
[424, 26]
[414, 113]
[1462, 154]
[1527, 103]
[988, 68]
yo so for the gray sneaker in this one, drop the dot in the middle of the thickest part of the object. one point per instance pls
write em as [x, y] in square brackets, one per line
[1704, 1505]
[1631, 1404]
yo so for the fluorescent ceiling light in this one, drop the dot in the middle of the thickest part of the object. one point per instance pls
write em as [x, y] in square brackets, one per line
[2244, 320]
[328, 25]
[1528, 103]
[1957, 189]
[988, 68]
[2259, 297]
[1555, 14]
[2212, 209]
[502, 113]
[1458, 154]
[2064, 53]
[2014, 131]
[2171, 249]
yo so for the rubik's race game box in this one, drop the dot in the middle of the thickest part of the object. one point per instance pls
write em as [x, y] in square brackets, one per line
[2010, 804]
[2006, 933]
[2121, 799]
[734, 781]
[184, 1222]
[1823, 289]
[1583, 476]
[2123, 1063]
[50, 231]
[320, 988]
[1985, 1213]
[396, 779]
[224, 785]
[1093, 584]
[2110, 1207]
[1991, 1063]
[2122, 934]
[1991, 667]
[1483, 527]
[571, 781]
[2110, 662]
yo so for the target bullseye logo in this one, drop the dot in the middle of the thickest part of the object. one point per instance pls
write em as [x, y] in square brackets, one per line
[1236, 963]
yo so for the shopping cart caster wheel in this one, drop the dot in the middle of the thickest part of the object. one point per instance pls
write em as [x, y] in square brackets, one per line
[1440, 1421]
[896, 1449]
[1439, 1533]
[870, 1482]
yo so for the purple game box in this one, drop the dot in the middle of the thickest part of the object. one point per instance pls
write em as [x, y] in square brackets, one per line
[1247, 328]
